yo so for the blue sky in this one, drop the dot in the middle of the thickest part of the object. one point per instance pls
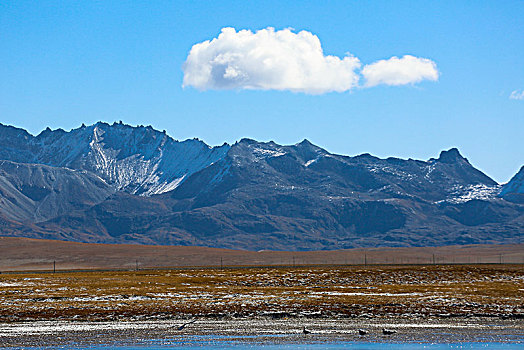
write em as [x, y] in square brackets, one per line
[67, 63]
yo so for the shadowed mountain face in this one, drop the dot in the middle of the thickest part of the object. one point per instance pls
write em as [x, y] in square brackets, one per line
[36, 193]
[514, 190]
[152, 189]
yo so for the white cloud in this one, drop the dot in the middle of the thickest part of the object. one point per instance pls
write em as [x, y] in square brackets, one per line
[400, 71]
[268, 60]
[516, 95]
[284, 60]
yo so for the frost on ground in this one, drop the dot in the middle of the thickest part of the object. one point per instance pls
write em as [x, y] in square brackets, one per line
[325, 292]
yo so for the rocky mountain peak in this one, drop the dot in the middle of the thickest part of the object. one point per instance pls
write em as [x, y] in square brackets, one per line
[305, 143]
[8, 132]
[135, 159]
[451, 156]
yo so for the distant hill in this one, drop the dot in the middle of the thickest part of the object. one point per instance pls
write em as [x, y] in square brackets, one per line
[122, 184]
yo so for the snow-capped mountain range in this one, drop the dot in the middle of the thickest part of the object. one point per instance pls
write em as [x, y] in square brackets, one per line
[137, 160]
[118, 183]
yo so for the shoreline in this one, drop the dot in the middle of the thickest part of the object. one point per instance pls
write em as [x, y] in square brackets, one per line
[260, 331]
[426, 304]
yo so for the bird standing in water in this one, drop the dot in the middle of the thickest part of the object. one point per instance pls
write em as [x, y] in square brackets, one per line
[182, 326]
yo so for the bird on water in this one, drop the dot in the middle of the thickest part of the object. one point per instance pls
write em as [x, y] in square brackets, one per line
[182, 326]
[362, 332]
[306, 331]
[388, 331]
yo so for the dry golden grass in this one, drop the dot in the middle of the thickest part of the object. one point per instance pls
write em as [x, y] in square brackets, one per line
[336, 291]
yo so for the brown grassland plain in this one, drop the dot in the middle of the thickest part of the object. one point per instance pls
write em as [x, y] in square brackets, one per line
[104, 282]
[23, 254]
[405, 291]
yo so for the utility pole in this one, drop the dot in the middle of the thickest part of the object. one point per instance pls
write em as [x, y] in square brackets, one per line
[365, 259]
[136, 265]
[54, 266]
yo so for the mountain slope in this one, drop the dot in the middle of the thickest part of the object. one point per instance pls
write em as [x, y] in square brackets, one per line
[304, 197]
[255, 195]
[35, 193]
[267, 196]
[138, 160]
[514, 190]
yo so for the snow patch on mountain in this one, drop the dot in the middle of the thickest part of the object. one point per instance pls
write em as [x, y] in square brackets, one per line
[391, 171]
[309, 162]
[429, 170]
[138, 160]
[461, 194]
[261, 153]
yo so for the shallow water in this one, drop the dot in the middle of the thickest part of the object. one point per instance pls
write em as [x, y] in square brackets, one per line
[240, 334]
[330, 346]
